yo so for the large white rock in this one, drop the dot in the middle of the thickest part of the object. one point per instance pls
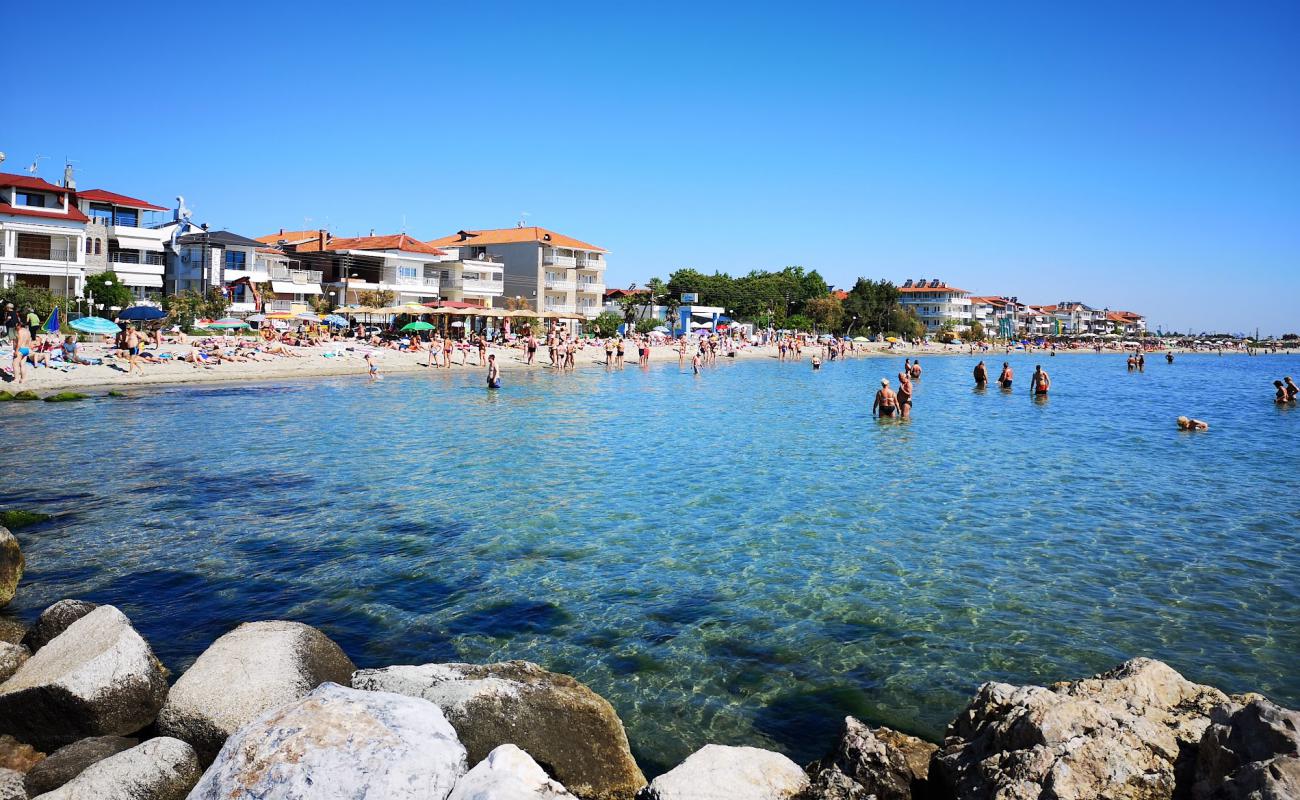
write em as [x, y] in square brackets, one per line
[508, 773]
[717, 772]
[254, 668]
[339, 744]
[12, 656]
[159, 769]
[97, 678]
[11, 785]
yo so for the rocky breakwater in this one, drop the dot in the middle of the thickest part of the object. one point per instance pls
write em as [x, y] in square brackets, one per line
[276, 710]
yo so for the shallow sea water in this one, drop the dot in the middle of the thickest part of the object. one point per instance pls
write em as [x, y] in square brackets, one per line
[741, 558]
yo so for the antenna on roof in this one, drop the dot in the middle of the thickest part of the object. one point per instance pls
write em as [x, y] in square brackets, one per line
[403, 224]
[68, 181]
[523, 215]
[35, 165]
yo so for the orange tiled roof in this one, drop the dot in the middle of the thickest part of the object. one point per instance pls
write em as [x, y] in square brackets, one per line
[291, 237]
[513, 235]
[397, 241]
[840, 294]
[104, 196]
[927, 288]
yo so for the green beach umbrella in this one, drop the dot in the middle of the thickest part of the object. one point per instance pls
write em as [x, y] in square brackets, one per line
[417, 326]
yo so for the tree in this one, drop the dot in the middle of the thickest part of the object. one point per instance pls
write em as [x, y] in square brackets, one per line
[629, 303]
[38, 299]
[185, 307]
[975, 333]
[799, 322]
[873, 303]
[107, 290]
[647, 325]
[376, 298]
[517, 303]
[827, 312]
[905, 323]
[605, 325]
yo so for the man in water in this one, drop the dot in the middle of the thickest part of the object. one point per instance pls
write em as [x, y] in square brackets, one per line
[1007, 376]
[981, 375]
[916, 369]
[904, 395]
[1189, 424]
[1282, 396]
[493, 373]
[1040, 383]
[1169, 357]
[886, 402]
[1292, 391]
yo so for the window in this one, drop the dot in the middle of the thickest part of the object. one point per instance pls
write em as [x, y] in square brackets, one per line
[126, 217]
[31, 199]
[102, 214]
[99, 246]
[410, 273]
[236, 259]
[88, 245]
[31, 245]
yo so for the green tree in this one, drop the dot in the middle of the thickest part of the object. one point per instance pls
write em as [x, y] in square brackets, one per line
[799, 322]
[904, 322]
[872, 303]
[107, 290]
[604, 325]
[646, 325]
[185, 307]
[37, 298]
[827, 312]
[376, 298]
[974, 333]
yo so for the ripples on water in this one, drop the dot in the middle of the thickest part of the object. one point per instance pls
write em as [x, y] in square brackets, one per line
[743, 557]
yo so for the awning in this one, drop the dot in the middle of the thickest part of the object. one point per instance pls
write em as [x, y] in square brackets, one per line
[132, 279]
[138, 243]
[289, 287]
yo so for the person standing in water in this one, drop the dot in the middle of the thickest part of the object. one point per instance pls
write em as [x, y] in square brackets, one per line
[886, 402]
[1007, 376]
[1040, 383]
[904, 395]
[1292, 391]
[493, 373]
[981, 375]
[916, 369]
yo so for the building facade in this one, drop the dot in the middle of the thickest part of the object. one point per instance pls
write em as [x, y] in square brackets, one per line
[120, 237]
[42, 235]
[936, 304]
[545, 270]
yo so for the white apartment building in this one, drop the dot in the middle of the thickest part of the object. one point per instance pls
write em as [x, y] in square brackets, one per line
[548, 270]
[42, 235]
[401, 264]
[120, 236]
[1076, 317]
[201, 261]
[936, 303]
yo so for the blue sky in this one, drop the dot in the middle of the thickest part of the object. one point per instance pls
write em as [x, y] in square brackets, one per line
[1141, 156]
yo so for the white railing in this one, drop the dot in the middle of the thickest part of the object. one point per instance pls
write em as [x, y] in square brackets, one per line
[480, 286]
[281, 305]
[561, 286]
[279, 273]
[423, 281]
[561, 308]
[590, 311]
[591, 287]
[559, 261]
[491, 260]
[590, 263]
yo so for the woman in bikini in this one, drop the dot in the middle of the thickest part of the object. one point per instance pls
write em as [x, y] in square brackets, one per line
[904, 395]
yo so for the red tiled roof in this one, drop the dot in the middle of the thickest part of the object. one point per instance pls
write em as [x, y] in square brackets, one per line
[513, 235]
[31, 182]
[399, 241]
[103, 196]
[291, 237]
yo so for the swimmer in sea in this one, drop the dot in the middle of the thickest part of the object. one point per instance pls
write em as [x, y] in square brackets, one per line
[886, 402]
[1040, 383]
[981, 375]
[1007, 376]
[816, 362]
[1280, 397]
[1292, 391]
[1189, 424]
[493, 373]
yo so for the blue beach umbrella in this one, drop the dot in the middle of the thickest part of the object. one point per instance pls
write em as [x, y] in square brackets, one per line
[52, 324]
[336, 321]
[97, 325]
[142, 313]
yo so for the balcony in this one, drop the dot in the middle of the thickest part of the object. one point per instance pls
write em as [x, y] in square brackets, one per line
[560, 308]
[281, 306]
[590, 263]
[561, 285]
[590, 311]
[280, 273]
[591, 287]
[422, 282]
[559, 261]
[479, 286]
[128, 257]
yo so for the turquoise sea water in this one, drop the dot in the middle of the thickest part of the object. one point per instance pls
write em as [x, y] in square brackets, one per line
[743, 557]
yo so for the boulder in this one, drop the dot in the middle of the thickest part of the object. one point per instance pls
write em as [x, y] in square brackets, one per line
[571, 731]
[55, 620]
[1127, 734]
[12, 656]
[339, 743]
[160, 769]
[11, 785]
[11, 630]
[97, 678]
[716, 772]
[508, 773]
[880, 762]
[68, 762]
[277, 663]
[1250, 751]
[11, 566]
[17, 756]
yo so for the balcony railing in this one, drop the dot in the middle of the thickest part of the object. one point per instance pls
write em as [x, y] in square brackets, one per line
[59, 254]
[281, 305]
[561, 286]
[279, 273]
[559, 261]
[561, 308]
[480, 286]
[590, 263]
[591, 287]
[589, 310]
[423, 281]
[151, 259]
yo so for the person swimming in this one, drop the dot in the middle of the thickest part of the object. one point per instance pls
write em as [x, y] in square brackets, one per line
[886, 402]
[1007, 376]
[1189, 424]
[1040, 383]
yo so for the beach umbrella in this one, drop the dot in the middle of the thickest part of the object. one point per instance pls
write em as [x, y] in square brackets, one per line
[228, 322]
[280, 315]
[891, 338]
[457, 324]
[97, 325]
[417, 326]
[52, 324]
[336, 321]
[307, 317]
[356, 310]
[861, 340]
[141, 313]
[255, 318]
[411, 308]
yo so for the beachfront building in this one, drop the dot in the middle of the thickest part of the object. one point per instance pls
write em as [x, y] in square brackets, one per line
[200, 261]
[613, 305]
[124, 235]
[546, 270]
[1035, 321]
[1076, 317]
[936, 304]
[42, 235]
[1128, 323]
[470, 274]
[401, 264]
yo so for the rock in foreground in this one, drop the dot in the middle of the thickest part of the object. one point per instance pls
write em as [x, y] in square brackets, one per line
[159, 769]
[11, 566]
[55, 620]
[12, 656]
[508, 773]
[876, 762]
[11, 785]
[275, 664]
[339, 744]
[1250, 753]
[97, 678]
[68, 762]
[1122, 735]
[715, 772]
[570, 730]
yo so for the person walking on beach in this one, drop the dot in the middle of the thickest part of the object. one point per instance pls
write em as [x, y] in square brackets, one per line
[372, 369]
[886, 402]
[1040, 383]
[981, 375]
[904, 395]
[493, 373]
[1007, 376]
[22, 350]
[132, 343]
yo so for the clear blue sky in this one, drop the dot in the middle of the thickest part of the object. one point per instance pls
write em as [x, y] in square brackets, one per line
[1131, 155]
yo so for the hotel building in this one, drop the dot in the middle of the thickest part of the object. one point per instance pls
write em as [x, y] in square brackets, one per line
[936, 303]
[42, 235]
[120, 237]
[401, 264]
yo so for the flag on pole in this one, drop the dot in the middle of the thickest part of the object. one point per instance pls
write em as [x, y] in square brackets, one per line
[52, 324]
